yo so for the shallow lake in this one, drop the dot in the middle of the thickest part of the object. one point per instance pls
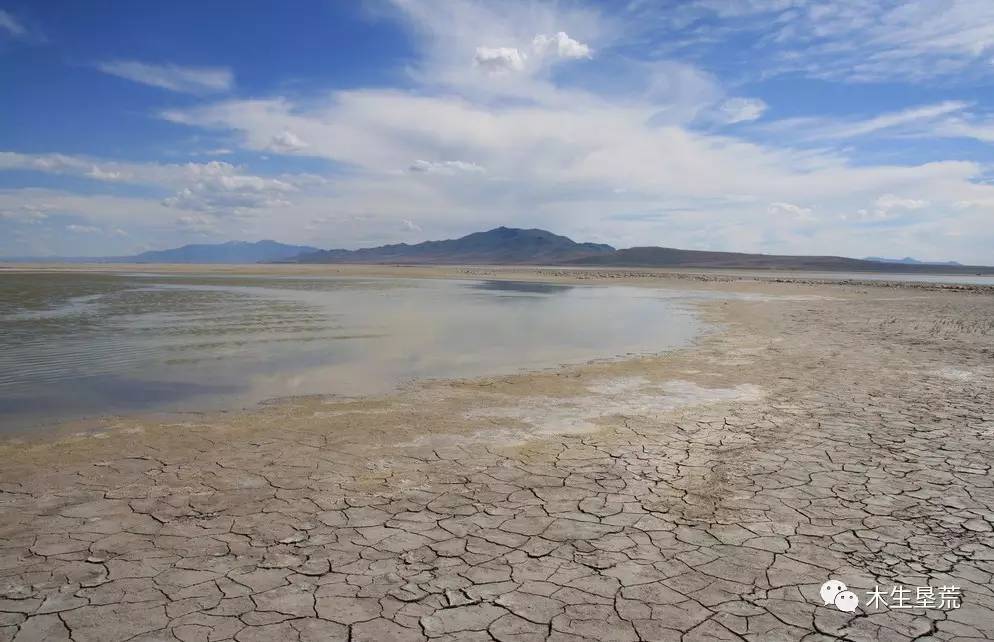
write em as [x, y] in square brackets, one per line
[75, 344]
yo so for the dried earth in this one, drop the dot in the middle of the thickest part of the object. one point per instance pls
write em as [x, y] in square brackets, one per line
[819, 432]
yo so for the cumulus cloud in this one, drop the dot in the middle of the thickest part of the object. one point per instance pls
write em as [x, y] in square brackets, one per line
[499, 60]
[191, 80]
[561, 45]
[219, 187]
[502, 60]
[889, 207]
[790, 210]
[214, 186]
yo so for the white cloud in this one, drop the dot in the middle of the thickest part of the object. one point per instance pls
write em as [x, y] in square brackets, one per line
[561, 45]
[857, 41]
[191, 80]
[790, 210]
[738, 110]
[982, 130]
[560, 165]
[213, 186]
[569, 152]
[499, 60]
[889, 207]
[914, 120]
[503, 60]
[287, 142]
[83, 229]
[448, 34]
[218, 187]
[891, 202]
[895, 119]
[445, 167]
[11, 25]
[30, 214]
[197, 223]
[105, 175]
[51, 163]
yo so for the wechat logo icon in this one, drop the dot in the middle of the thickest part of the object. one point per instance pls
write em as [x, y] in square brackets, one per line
[835, 592]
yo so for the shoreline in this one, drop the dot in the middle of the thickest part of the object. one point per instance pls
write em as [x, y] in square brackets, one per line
[73, 432]
[81, 427]
[658, 276]
[706, 493]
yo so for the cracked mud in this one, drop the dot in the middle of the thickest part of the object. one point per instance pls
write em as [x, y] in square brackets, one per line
[701, 495]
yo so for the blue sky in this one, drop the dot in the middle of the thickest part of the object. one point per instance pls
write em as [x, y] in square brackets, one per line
[838, 126]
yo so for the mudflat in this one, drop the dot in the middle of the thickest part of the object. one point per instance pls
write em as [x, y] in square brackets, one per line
[821, 431]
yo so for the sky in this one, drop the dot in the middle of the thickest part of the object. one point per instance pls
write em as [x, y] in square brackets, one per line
[838, 127]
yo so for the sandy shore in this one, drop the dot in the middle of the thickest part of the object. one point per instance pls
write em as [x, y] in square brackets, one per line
[824, 431]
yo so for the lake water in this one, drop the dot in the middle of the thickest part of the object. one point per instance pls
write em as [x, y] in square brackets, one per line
[75, 345]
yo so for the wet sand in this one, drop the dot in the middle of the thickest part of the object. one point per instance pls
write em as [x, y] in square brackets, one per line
[822, 431]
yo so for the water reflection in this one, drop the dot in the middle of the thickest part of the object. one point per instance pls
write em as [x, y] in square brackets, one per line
[74, 345]
[520, 286]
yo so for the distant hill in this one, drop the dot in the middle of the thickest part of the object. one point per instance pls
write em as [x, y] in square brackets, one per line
[230, 252]
[505, 245]
[497, 246]
[909, 261]
[514, 246]
[674, 258]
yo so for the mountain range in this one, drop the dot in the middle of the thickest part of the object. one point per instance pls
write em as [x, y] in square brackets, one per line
[675, 258]
[230, 252]
[514, 246]
[910, 261]
[502, 245]
[206, 253]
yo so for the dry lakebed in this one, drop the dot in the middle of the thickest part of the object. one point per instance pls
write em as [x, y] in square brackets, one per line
[819, 431]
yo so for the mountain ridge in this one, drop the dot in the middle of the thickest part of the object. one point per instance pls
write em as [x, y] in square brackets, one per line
[516, 246]
[228, 252]
[909, 261]
[499, 245]
[568, 252]
[666, 257]
[231, 252]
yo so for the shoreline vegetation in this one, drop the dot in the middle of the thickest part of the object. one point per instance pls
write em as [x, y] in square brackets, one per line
[824, 429]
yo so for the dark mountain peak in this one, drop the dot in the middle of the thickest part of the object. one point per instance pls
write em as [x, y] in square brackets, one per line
[518, 232]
